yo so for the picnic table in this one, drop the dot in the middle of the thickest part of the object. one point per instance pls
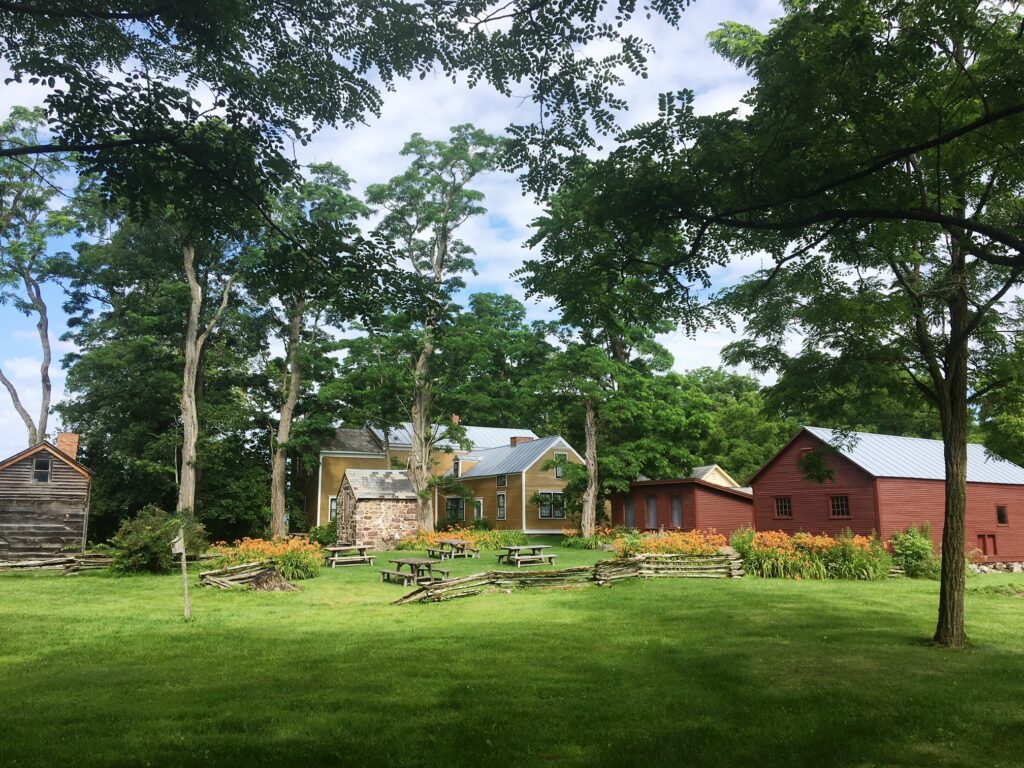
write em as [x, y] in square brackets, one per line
[449, 549]
[348, 554]
[421, 570]
[526, 554]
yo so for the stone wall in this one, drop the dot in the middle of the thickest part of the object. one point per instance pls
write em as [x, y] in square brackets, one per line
[380, 523]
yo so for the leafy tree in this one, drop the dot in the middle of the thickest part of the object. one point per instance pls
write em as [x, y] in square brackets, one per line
[877, 165]
[28, 222]
[423, 209]
[120, 78]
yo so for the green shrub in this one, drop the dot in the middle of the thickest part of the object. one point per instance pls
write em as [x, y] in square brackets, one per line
[477, 538]
[481, 524]
[294, 558]
[913, 551]
[777, 555]
[143, 543]
[325, 535]
[849, 559]
[584, 542]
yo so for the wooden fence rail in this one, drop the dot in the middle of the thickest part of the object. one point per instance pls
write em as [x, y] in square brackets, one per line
[604, 572]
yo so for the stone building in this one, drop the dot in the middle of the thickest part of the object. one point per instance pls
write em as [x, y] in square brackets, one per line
[377, 507]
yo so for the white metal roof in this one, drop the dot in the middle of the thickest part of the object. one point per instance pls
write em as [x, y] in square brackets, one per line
[915, 457]
[479, 437]
[511, 460]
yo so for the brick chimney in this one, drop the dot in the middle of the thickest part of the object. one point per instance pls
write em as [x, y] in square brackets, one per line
[455, 419]
[520, 439]
[67, 442]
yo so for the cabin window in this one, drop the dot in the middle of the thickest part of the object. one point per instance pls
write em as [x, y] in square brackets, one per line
[1001, 517]
[454, 509]
[41, 467]
[456, 467]
[551, 505]
[332, 508]
[783, 506]
[652, 511]
[839, 506]
[630, 513]
[560, 470]
[478, 509]
[502, 510]
[677, 511]
[501, 481]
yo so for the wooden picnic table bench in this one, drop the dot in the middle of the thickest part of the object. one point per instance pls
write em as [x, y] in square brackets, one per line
[452, 548]
[420, 570]
[526, 554]
[341, 554]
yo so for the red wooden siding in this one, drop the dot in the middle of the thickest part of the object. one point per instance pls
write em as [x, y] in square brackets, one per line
[905, 502]
[704, 506]
[810, 500]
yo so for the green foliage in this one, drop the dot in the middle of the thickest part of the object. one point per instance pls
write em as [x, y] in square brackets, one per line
[776, 555]
[143, 543]
[480, 538]
[914, 551]
[325, 535]
[294, 558]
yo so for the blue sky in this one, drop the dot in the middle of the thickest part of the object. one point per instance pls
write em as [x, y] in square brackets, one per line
[370, 153]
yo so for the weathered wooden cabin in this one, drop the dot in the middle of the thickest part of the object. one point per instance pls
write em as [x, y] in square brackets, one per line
[44, 500]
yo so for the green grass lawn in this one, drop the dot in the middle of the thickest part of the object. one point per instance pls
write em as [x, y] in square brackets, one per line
[97, 670]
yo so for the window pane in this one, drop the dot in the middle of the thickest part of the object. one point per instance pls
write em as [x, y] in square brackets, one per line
[557, 506]
[501, 506]
[501, 481]
[630, 513]
[478, 508]
[840, 506]
[652, 511]
[783, 506]
[1001, 517]
[41, 471]
[677, 511]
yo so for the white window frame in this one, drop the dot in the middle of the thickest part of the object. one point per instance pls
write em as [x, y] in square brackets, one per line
[478, 508]
[502, 513]
[462, 510]
[49, 469]
[501, 481]
[560, 470]
[332, 508]
[550, 506]
[456, 467]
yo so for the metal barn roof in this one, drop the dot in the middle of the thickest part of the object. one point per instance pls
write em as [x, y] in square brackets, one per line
[511, 459]
[915, 457]
[380, 483]
[479, 437]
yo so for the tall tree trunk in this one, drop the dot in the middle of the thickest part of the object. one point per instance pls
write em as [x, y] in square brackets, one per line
[36, 429]
[194, 343]
[953, 416]
[278, 474]
[422, 434]
[589, 518]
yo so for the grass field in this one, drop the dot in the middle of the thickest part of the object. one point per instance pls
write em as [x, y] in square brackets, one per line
[96, 670]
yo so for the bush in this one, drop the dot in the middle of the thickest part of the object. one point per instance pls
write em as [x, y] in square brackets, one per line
[707, 542]
[325, 535]
[602, 536]
[295, 559]
[143, 543]
[777, 555]
[483, 524]
[477, 538]
[913, 551]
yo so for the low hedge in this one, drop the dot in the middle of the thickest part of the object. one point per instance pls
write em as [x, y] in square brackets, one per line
[481, 539]
[776, 554]
[295, 559]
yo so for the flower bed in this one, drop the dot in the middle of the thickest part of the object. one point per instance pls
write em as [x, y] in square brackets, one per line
[779, 555]
[478, 538]
[707, 542]
[602, 536]
[294, 558]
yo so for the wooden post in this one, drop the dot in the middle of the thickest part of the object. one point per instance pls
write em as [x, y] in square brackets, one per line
[178, 548]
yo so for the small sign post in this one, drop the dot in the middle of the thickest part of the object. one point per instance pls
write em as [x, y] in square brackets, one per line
[178, 548]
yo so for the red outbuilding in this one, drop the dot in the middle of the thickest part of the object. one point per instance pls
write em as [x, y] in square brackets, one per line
[884, 483]
[686, 503]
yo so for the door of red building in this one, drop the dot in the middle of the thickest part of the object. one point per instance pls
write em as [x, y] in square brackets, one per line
[987, 544]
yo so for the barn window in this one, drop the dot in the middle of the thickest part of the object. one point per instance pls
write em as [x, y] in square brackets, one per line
[652, 511]
[559, 469]
[501, 481]
[41, 467]
[1001, 517]
[332, 508]
[677, 511]
[502, 512]
[783, 506]
[551, 505]
[840, 506]
[630, 512]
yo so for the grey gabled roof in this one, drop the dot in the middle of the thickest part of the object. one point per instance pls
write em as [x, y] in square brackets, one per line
[479, 437]
[380, 483]
[352, 441]
[915, 457]
[509, 459]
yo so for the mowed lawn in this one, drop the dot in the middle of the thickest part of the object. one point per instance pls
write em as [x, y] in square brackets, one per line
[97, 670]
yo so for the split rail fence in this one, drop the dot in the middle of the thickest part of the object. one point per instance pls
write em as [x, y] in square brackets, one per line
[605, 572]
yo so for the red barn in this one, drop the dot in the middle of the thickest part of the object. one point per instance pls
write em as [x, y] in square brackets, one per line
[686, 503]
[883, 484]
